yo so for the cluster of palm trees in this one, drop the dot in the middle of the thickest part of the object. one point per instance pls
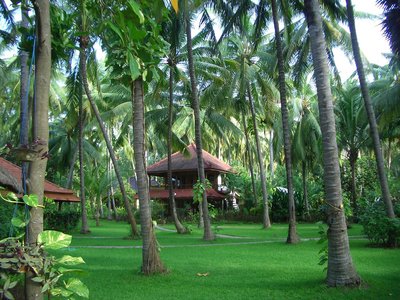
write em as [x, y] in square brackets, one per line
[238, 93]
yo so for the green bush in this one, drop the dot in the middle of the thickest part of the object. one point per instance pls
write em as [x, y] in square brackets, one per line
[64, 220]
[377, 226]
[280, 205]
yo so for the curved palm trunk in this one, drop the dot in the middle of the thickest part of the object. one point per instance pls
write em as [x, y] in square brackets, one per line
[135, 232]
[151, 262]
[341, 271]
[253, 182]
[208, 234]
[371, 116]
[37, 168]
[266, 220]
[271, 153]
[85, 226]
[178, 225]
[292, 234]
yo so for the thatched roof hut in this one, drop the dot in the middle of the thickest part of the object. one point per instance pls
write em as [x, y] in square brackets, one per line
[10, 179]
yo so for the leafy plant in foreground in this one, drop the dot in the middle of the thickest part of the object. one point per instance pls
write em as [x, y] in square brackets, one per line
[17, 258]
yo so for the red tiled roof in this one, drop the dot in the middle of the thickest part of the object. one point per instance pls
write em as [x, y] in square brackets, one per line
[183, 194]
[183, 164]
[51, 190]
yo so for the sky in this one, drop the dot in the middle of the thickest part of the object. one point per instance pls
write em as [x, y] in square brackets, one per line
[370, 38]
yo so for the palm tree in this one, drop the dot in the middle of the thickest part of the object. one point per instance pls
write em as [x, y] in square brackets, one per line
[371, 117]
[247, 81]
[84, 40]
[174, 37]
[306, 144]
[40, 136]
[340, 266]
[151, 262]
[292, 234]
[352, 128]
[208, 234]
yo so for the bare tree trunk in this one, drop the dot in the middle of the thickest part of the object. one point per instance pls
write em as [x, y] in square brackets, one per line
[40, 134]
[208, 234]
[371, 117]
[266, 220]
[151, 262]
[292, 233]
[178, 225]
[131, 219]
[341, 271]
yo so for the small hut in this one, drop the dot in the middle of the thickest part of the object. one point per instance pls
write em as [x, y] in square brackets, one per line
[184, 176]
[10, 180]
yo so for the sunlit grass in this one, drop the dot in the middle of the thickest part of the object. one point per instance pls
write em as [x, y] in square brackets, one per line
[269, 269]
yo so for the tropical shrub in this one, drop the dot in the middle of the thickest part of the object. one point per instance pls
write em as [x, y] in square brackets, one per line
[63, 220]
[377, 226]
[279, 205]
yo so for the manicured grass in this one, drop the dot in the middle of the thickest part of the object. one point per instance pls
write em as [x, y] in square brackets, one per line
[265, 269]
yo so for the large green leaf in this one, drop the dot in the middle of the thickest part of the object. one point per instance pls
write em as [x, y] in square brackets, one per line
[133, 66]
[31, 200]
[117, 31]
[136, 9]
[77, 286]
[54, 239]
[18, 222]
[70, 260]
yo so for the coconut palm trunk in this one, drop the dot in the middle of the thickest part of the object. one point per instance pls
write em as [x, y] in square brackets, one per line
[271, 153]
[85, 225]
[178, 225]
[266, 220]
[371, 116]
[131, 219]
[208, 234]
[37, 170]
[353, 156]
[251, 169]
[151, 262]
[306, 214]
[70, 177]
[292, 233]
[24, 81]
[341, 271]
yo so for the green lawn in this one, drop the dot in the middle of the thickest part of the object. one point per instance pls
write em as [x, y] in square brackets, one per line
[259, 265]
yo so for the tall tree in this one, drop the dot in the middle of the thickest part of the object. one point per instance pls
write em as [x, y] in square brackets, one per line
[266, 220]
[371, 117]
[151, 262]
[40, 134]
[208, 234]
[174, 35]
[292, 233]
[84, 41]
[352, 127]
[85, 225]
[341, 271]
